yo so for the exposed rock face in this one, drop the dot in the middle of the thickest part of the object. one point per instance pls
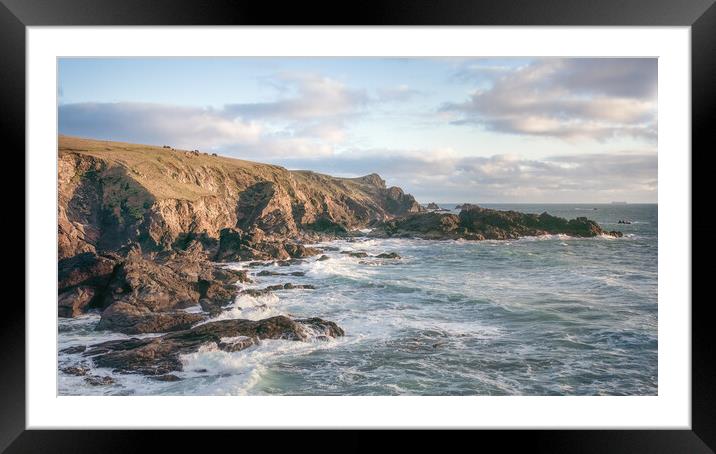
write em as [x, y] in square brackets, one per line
[113, 194]
[160, 355]
[478, 223]
[433, 206]
[75, 301]
[146, 293]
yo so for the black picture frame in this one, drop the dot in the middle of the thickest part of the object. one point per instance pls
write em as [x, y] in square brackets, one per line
[700, 15]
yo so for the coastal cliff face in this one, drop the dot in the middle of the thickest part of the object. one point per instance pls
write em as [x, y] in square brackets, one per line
[114, 194]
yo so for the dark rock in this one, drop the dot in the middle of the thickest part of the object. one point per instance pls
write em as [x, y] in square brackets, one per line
[237, 344]
[326, 225]
[359, 255]
[134, 319]
[399, 203]
[96, 380]
[75, 301]
[433, 206]
[212, 307]
[476, 223]
[323, 258]
[275, 273]
[299, 250]
[75, 370]
[167, 377]
[74, 349]
[88, 268]
[160, 355]
[388, 255]
[145, 283]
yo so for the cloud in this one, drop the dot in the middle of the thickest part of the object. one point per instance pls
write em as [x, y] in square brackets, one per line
[400, 93]
[183, 127]
[311, 97]
[446, 176]
[571, 99]
[186, 128]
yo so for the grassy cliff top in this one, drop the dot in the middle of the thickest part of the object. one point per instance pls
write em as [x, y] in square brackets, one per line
[168, 173]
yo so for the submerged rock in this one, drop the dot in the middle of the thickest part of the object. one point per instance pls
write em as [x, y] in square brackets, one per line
[160, 355]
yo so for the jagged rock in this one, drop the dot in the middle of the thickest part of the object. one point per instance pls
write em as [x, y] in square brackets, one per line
[73, 302]
[426, 225]
[433, 206]
[75, 370]
[135, 319]
[300, 251]
[160, 355]
[87, 268]
[235, 344]
[96, 380]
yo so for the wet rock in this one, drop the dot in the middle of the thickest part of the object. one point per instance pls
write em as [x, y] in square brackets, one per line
[75, 370]
[96, 380]
[290, 262]
[167, 378]
[237, 343]
[359, 255]
[300, 251]
[388, 255]
[74, 349]
[323, 258]
[134, 319]
[160, 355]
[214, 308]
[275, 273]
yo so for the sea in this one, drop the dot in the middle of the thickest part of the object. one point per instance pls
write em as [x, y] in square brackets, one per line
[537, 316]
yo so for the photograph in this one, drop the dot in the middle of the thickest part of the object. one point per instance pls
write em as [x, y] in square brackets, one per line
[357, 226]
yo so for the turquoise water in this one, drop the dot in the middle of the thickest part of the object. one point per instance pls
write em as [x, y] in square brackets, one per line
[536, 316]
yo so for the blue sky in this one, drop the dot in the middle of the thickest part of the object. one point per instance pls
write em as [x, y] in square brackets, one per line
[449, 130]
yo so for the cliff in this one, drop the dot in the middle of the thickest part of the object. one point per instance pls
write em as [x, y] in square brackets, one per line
[114, 194]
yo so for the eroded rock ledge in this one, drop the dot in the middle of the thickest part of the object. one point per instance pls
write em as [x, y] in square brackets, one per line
[161, 355]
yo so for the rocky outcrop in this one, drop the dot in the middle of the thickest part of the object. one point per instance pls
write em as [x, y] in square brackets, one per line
[161, 355]
[477, 223]
[147, 292]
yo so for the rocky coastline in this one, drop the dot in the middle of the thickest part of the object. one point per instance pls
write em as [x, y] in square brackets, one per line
[145, 235]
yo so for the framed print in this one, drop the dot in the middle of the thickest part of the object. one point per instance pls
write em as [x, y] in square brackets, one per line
[434, 216]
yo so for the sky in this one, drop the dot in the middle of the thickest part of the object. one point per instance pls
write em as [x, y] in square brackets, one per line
[480, 130]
